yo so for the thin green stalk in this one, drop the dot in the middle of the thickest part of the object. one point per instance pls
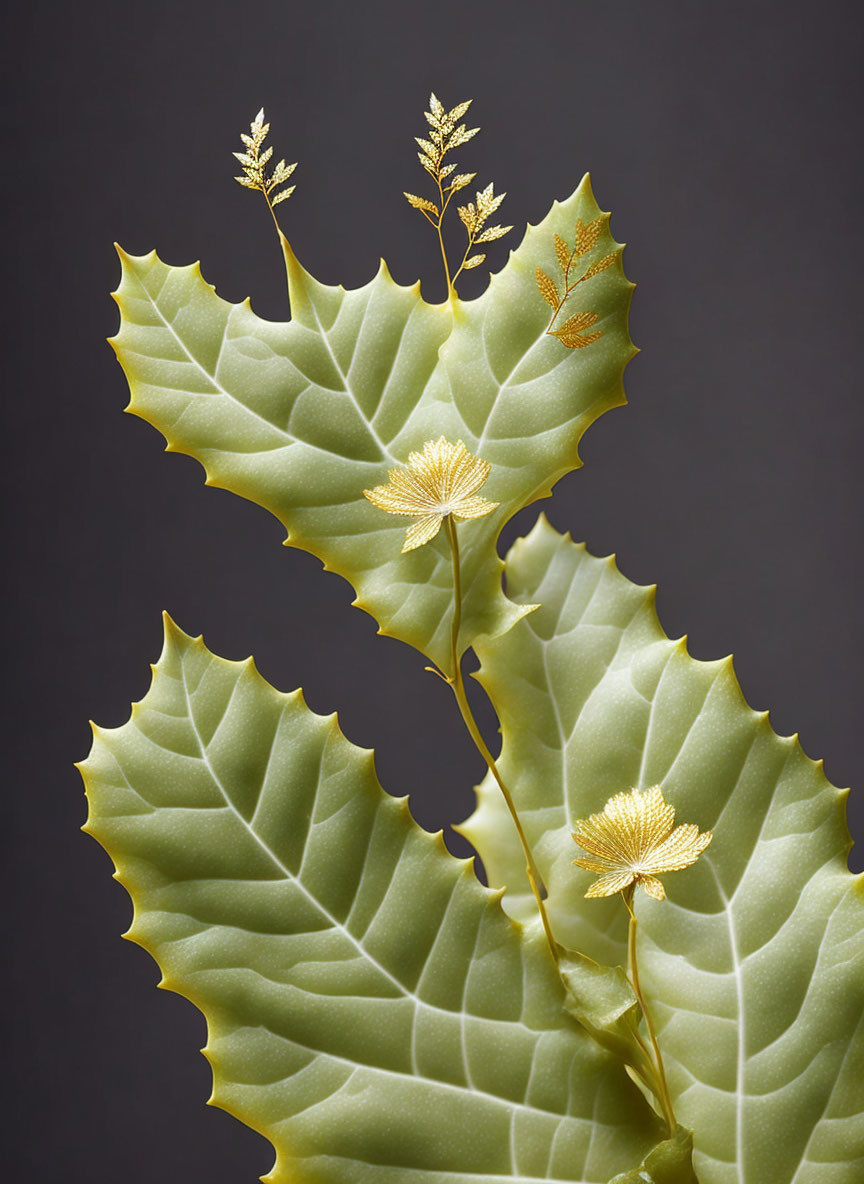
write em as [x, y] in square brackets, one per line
[457, 683]
[284, 244]
[663, 1096]
[456, 625]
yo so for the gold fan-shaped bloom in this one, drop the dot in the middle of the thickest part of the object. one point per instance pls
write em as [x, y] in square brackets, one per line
[440, 480]
[632, 842]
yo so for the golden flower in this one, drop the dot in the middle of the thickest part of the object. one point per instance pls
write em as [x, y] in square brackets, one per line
[632, 841]
[440, 480]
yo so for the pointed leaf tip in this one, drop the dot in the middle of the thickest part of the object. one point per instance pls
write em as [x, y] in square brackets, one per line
[722, 754]
[449, 349]
[261, 720]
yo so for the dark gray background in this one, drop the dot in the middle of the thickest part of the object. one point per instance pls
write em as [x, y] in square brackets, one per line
[725, 139]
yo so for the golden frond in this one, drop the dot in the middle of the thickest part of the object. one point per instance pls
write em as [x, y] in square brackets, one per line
[461, 135]
[469, 215]
[255, 161]
[487, 201]
[548, 288]
[282, 172]
[442, 479]
[600, 265]
[459, 110]
[421, 203]
[632, 842]
[436, 110]
[493, 232]
[444, 133]
[575, 324]
[476, 212]
[571, 334]
[586, 236]
[578, 341]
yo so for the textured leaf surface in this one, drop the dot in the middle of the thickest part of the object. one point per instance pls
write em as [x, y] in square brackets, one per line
[371, 1009]
[756, 960]
[301, 417]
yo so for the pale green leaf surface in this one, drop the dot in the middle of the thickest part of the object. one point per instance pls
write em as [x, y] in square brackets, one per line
[603, 1001]
[756, 960]
[371, 1009]
[670, 1162]
[302, 417]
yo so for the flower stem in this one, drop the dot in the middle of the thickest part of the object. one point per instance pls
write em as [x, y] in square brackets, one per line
[457, 684]
[453, 540]
[664, 1097]
[283, 241]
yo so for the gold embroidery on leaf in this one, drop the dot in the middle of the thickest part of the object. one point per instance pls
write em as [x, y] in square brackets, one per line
[586, 237]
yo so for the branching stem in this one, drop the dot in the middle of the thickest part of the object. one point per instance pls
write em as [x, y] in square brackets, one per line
[451, 291]
[457, 684]
[471, 236]
[567, 291]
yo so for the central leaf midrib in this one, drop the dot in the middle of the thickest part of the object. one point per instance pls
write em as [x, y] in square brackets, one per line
[211, 377]
[385, 451]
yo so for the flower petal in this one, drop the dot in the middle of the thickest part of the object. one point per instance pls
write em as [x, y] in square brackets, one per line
[611, 883]
[465, 475]
[644, 818]
[652, 886]
[603, 835]
[393, 500]
[421, 532]
[473, 507]
[680, 849]
[600, 866]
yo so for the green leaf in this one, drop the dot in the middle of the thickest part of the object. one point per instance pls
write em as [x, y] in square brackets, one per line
[370, 1008]
[603, 1001]
[668, 1163]
[302, 417]
[755, 963]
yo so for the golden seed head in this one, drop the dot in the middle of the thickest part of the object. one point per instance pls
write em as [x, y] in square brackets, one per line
[632, 841]
[254, 163]
[474, 215]
[442, 479]
[445, 132]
